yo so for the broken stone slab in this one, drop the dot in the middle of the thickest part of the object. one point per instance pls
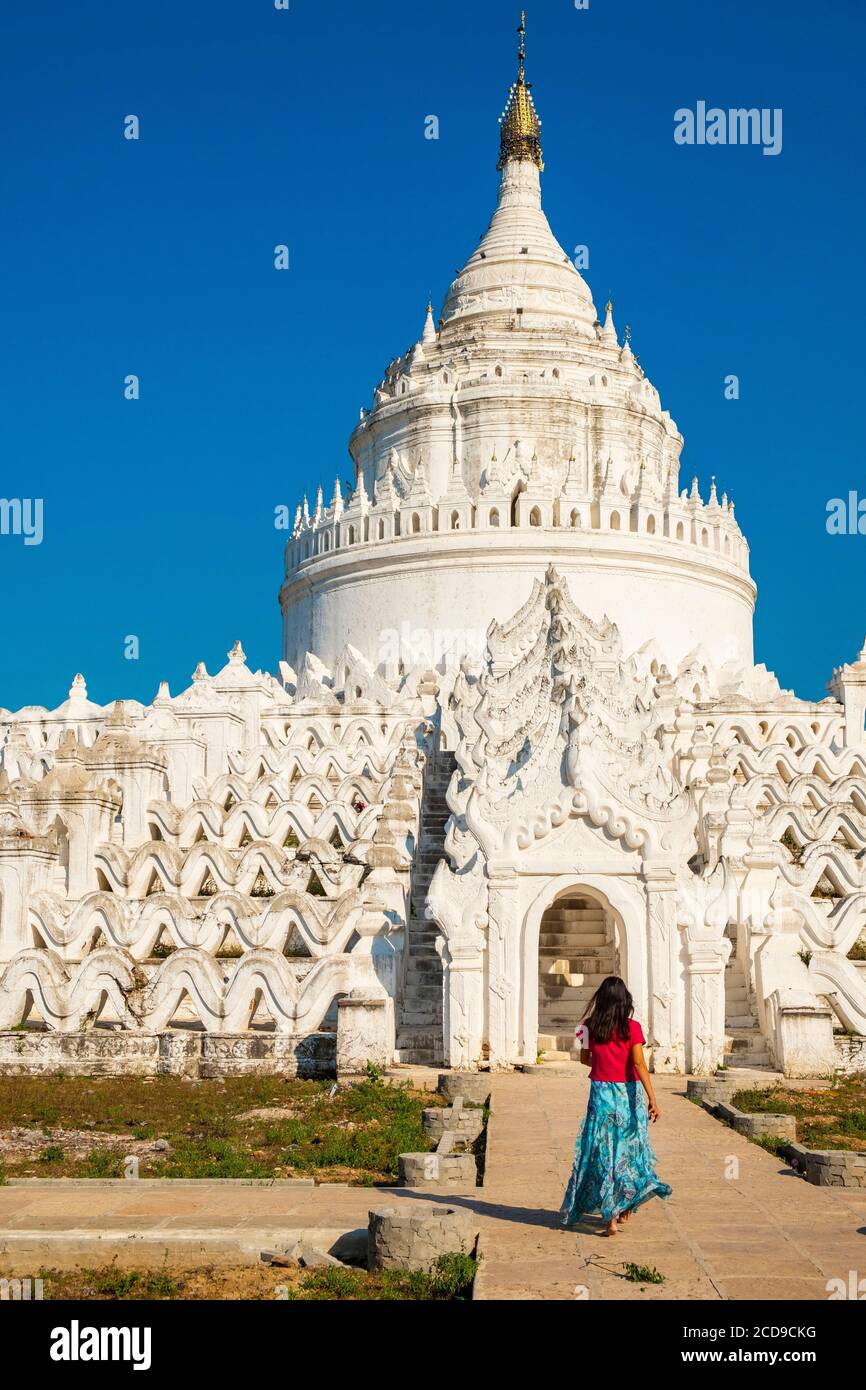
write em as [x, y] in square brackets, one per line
[351, 1248]
[279, 1258]
[414, 1237]
[309, 1257]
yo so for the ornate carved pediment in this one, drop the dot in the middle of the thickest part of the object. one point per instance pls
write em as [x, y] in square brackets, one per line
[563, 726]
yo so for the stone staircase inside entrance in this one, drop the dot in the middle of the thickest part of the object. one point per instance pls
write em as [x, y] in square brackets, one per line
[745, 1044]
[419, 1024]
[576, 952]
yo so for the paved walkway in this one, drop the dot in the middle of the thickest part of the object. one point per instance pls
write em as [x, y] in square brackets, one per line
[188, 1223]
[750, 1230]
[761, 1234]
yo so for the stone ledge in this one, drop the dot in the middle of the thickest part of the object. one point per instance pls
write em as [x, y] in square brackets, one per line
[190, 1054]
[761, 1126]
[162, 1184]
[828, 1167]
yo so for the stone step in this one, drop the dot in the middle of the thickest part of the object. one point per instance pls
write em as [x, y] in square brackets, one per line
[415, 1036]
[418, 994]
[576, 987]
[573, 919]
[575, 945]
[421, 968]
[753, 1060]
[557, 1042]
[591, 961]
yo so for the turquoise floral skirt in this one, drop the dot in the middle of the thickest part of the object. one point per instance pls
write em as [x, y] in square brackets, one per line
[614, 1164]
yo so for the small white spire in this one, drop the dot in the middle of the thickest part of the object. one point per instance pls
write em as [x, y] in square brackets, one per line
[78, 688]
[429, 334]
[608, 333]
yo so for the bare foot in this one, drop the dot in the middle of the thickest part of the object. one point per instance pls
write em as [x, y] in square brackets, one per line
[612, 1228]
[625, 1217]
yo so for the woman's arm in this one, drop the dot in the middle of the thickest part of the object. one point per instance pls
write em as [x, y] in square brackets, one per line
[586, 1056]
[640, 1067]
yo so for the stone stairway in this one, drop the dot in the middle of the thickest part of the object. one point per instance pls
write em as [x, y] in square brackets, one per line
[745, 1045]
[419, 1024]
[576, 952]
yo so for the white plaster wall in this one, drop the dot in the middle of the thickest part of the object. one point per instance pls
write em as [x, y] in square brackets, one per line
[459, 582]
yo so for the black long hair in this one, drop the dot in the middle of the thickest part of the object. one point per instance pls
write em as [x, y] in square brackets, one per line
[609, 1011]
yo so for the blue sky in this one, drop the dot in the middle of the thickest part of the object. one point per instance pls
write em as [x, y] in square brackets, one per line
[306, 127]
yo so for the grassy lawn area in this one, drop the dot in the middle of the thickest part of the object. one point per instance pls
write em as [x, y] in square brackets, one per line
[244, 1127]
[450, 1280]
[834, 1118]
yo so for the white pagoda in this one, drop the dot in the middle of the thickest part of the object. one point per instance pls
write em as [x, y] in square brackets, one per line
[517, 742]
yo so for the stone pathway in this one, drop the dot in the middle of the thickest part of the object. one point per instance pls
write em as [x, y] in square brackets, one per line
[62, 1224]
[763, 1234]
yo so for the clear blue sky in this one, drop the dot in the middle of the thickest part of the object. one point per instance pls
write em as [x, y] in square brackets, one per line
[306, 127]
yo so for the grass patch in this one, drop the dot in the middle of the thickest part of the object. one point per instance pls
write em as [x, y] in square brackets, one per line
[354, 1135]
[450, 1281]
[832, 1118]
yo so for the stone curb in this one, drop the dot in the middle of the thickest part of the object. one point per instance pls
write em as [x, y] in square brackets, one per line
[165, 1184]
[828, 1167]
[132, 1249]
[766, 1125]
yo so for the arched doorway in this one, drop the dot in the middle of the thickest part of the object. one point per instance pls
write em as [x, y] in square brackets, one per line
[578, 947]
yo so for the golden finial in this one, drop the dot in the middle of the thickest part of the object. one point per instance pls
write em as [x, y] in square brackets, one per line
[521, 129]
[608, 308]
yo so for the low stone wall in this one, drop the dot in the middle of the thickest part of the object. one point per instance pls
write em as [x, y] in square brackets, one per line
[763, 1126]
[194, 1054]
[455, 1128]
[464, 1122]
[437, 1170]
[721, 1089]
[829, 1167]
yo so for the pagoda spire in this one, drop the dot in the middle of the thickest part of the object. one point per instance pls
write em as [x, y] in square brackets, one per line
[429, 334]
[520, 137]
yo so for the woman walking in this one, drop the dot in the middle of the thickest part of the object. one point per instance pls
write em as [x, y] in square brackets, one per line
[614, 1164]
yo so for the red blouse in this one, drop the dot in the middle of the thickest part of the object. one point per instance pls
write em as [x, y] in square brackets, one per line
[611, 1061]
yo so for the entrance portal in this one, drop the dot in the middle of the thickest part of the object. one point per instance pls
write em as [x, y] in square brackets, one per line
[577, 950]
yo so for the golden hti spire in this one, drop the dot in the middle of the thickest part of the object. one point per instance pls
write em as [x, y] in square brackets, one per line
[520, 137]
